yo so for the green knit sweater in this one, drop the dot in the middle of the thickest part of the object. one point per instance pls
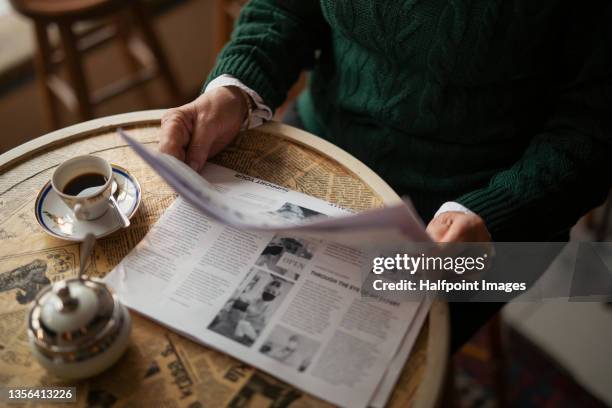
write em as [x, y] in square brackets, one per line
[501, 105]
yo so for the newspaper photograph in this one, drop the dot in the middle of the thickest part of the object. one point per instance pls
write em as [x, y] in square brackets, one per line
[286, 303]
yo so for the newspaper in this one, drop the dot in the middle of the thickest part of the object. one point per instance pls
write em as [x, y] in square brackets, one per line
[395, 223]
[390, 379]
[246, 272]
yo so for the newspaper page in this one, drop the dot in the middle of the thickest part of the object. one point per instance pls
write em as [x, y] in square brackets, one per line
[394, 370]
[396, 223]
[288, 304]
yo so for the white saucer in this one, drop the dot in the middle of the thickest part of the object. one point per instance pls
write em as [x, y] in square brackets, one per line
[58, 220]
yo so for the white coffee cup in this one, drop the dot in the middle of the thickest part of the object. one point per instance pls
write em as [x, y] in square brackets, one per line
[92, 202]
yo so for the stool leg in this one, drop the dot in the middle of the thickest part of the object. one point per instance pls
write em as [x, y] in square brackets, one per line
[75, 71]
[134, 65]
[42, 62]
[124, 34]
[142, 17]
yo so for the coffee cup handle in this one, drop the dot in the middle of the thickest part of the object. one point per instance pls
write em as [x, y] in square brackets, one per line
[79, 212]
[123, 219]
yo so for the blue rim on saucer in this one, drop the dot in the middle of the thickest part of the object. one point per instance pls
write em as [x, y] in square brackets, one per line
[57, 220]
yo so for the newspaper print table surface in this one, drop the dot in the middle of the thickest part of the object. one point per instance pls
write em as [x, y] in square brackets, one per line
[160, 368]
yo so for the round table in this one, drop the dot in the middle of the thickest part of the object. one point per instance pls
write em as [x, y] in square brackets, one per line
[161, 367]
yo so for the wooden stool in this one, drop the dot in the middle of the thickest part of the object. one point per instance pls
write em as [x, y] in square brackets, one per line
[145, 57]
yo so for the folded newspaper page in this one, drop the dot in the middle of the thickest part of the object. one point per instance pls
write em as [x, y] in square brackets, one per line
[394, 223]
[289, 305]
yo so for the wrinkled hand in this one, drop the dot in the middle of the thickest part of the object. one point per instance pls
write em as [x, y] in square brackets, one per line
[454, 226]
[202, 128]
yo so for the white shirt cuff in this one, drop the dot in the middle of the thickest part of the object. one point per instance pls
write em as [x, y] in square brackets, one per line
[452, 206]
[261, 112]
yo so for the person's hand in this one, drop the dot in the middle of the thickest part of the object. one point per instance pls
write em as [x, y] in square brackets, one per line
[202, 128]
[455, 226]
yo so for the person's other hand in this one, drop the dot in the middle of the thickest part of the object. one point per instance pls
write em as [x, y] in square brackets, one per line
[454, 226]
[202, 128]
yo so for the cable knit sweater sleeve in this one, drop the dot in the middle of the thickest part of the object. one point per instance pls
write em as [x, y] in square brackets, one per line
[567, 167]
[273, 41]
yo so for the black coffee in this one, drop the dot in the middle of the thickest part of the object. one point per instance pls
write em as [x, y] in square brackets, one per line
[84, 184]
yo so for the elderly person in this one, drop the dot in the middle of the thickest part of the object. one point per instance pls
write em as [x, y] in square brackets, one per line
[492, 115]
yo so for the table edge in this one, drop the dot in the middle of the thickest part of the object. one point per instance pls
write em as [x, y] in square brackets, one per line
[75, 132]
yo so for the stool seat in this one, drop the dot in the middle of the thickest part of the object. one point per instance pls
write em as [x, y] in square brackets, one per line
[66, 9]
